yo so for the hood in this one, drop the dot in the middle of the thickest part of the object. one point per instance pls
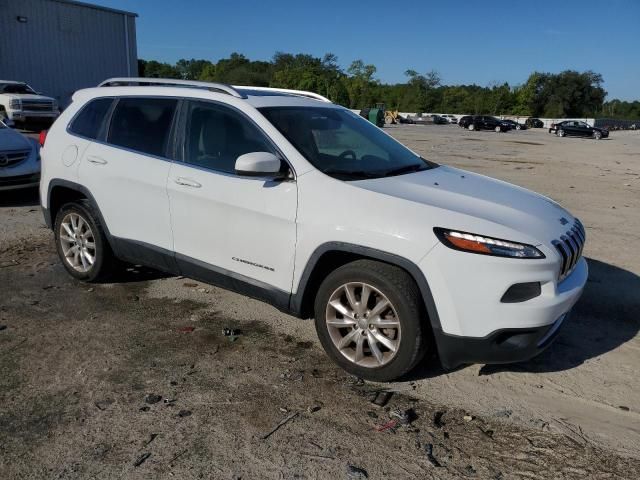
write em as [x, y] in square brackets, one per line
[11, 140]
[29, 96]
[483, 198]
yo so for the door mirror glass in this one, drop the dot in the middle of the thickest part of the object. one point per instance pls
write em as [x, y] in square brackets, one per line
[258, 164]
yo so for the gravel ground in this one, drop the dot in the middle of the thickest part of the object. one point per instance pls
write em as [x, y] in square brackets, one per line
[83, 365]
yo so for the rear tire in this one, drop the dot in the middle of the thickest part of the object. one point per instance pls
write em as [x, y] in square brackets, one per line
[81, 242]
[353, 334]
[560, 133]
[471, 127]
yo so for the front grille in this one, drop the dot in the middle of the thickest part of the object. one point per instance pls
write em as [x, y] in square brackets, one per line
[12, 159]
[19, 180]
[41, 106]
[570, 247]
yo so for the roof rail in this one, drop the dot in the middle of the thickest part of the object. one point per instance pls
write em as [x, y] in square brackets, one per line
[299, 93]
[166, 82]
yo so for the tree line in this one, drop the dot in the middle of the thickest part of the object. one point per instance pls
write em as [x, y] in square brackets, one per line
[565, 94]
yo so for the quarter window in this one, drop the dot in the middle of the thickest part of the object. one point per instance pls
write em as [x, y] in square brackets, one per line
[216, 136]
[90, 119]
[142, 124]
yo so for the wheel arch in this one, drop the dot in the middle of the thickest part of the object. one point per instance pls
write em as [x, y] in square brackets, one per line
[62, 191]
[329, 256]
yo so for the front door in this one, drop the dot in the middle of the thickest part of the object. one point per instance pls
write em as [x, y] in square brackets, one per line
[227, 227]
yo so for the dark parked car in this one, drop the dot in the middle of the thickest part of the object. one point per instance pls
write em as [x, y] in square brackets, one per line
[515, 125]
[485, 122]
[576, 128]
[465, 121]
[438, 120]
[534, 123]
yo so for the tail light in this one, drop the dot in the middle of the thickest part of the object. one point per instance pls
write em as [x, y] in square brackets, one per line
[43, 137]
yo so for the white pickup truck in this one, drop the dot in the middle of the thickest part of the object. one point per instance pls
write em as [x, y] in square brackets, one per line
[20, 103]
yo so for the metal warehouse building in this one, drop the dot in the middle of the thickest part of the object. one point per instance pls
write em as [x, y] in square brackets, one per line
[60, 46]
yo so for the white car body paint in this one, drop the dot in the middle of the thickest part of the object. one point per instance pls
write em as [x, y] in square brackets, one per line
[227, 217]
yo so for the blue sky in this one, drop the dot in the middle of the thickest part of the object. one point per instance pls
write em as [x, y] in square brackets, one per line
[466, 41]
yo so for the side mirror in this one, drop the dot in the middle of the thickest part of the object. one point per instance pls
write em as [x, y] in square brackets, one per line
[258, 164]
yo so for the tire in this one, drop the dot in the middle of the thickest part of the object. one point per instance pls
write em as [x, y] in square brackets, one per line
[498, 129]
[560, 132]
[518, 127]
[403, 316]
[471, 127]
[89, 227]
[388, 120]
[597, 135]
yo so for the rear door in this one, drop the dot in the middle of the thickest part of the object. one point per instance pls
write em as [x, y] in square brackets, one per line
[230, 228]
[126, 171]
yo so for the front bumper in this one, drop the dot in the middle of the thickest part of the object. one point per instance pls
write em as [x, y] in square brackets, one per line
[502, 346]
[20, 181]
[24, 115]
[476, 324]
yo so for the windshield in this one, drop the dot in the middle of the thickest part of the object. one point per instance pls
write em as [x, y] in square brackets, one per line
[342, 144]
[20, 88]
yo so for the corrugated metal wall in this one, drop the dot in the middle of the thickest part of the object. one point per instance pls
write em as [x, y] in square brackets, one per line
[63, 47]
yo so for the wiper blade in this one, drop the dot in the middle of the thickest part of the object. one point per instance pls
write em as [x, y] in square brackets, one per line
[406, 169]
[354, 173]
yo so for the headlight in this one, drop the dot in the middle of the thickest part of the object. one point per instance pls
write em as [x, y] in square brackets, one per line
[15, 104]
[470, 242]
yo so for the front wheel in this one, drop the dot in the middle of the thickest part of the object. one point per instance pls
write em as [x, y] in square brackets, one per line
[597, 135]
[368, 317]
[497, 129]
[560, 133]
[81, 243]
[471, 126]
[518, 127]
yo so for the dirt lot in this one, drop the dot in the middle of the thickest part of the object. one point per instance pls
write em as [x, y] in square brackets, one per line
[80, 361]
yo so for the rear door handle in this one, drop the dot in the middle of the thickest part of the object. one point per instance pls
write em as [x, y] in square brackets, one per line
[96, 160]
[187, 182]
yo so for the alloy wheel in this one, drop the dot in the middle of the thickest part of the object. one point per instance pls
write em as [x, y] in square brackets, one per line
[78, 242]
[363, 324]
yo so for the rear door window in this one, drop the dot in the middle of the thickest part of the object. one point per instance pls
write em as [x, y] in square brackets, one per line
[91, 118]
[143, 124]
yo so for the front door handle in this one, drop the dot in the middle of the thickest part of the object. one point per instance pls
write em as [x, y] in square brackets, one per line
[187, 182]
[96, 160]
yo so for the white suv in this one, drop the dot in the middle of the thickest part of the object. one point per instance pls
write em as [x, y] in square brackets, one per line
[290, 199]
[20, 103]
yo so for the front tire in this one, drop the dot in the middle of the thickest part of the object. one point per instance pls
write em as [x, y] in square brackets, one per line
[597, 135]
[471, 127]
[81, 242]
[497, 129]
[560, 133]
[368, 317]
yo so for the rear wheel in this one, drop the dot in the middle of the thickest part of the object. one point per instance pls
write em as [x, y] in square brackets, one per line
[471, 126]
[81, 243]
[518, 127]
[560, 132]
[368, 316]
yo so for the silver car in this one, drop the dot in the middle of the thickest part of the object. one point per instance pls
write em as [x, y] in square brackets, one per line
[19, 160]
